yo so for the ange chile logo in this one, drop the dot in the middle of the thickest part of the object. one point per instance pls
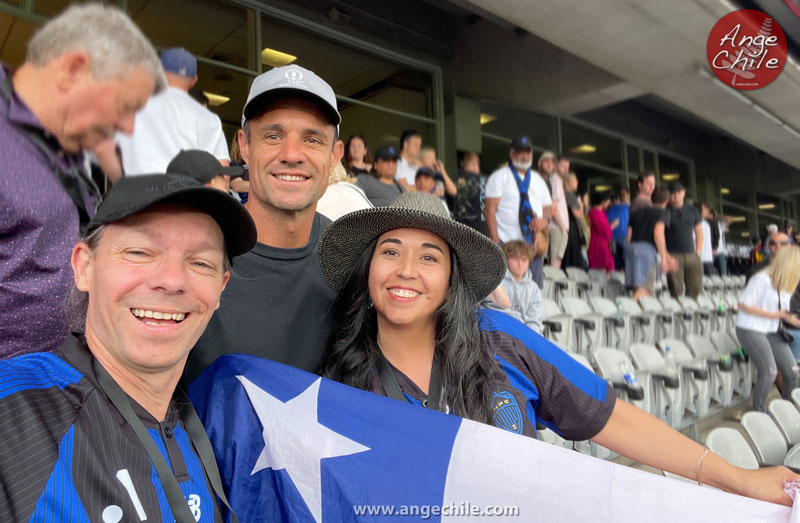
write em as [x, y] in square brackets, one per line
[746, 49]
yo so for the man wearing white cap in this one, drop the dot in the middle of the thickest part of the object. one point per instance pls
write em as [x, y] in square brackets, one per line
[277, 304]
[171, 122]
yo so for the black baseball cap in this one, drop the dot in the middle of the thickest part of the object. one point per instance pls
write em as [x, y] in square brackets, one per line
[675, 186]
[425, 171]
[386, 152]
[134, 194]
[200, 165]
[522, 143]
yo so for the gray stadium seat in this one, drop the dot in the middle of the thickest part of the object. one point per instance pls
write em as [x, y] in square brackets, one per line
[588, 325]
[767, 440]
[694, 377]
[742, 367]
[667, 398]
[730, 445]
[787, 418]
[558, 326]
[720, 368]
[609, 362]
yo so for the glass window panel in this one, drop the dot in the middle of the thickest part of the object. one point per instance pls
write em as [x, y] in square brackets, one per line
[671, 168]
[598, 180]
[494, 153]
[381, 128]
[767, 203]
[737, 196]
[352, 73]
[509, 122]
[633, 159]
[12, 2]
[14, 36]
[649, 159]
[207, 28]
[587, 144]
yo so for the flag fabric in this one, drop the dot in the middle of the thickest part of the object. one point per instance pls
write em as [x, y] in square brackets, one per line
[292, 446]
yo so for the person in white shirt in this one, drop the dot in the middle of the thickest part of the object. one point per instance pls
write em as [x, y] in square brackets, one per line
[763, 304]
[407, 165]
[502, 206]
[559, 221]
[172, 121]
[707, 251]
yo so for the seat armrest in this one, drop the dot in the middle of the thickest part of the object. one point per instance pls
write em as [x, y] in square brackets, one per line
[634, 393]
[617, 322]
[671, 382]
[644, 320]
[665, 317]
[724, 366]
[552, 325]
[561, 284]
[589, 324]
[700, 374]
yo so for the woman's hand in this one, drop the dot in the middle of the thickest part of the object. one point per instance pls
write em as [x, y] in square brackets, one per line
[767, 484]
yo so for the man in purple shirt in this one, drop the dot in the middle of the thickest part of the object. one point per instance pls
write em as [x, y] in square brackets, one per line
[85, 75]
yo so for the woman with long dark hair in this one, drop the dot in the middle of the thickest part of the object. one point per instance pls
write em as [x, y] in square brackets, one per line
[407, 326]
[356, 160]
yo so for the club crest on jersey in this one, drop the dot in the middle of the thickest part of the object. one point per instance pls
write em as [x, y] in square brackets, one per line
[506, 413]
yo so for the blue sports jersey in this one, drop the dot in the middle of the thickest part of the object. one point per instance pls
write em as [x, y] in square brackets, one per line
[534, 382]
[68, 455]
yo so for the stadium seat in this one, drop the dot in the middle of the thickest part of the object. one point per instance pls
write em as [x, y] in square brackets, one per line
[616, 322]
[767, 440]
[694, 377]
[683, 318]
[585, 286]
[720, 314]
[610, 364]
[642, 324]
[556, 284]
[666, 398]
[720, 368]
[588, 325]
[796, 397]
[787, 418]
[615, 283]
[701, 317]
[588, 447]
[664, 324]
[742, 366]
[730, 445]
[558, 327]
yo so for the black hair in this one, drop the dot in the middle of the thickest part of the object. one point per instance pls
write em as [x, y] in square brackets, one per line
[346, 160]
[407, 135]
[660, 195]
[599, 197]
[353, 347]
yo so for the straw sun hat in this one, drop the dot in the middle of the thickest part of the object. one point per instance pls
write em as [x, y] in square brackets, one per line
[481, 262]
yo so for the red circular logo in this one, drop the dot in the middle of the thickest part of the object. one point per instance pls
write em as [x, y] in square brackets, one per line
[747, 49]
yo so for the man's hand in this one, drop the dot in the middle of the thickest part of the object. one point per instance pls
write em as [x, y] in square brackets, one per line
[539, 224]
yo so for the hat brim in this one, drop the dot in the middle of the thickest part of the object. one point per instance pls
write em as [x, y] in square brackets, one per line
[237, 226]
[257, 105]
[481, 262]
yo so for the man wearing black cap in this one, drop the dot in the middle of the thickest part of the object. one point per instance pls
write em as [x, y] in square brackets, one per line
[203, 167]
[380, 186]
[94, 420]
[518, 203]
[684, 237]
[277, 303]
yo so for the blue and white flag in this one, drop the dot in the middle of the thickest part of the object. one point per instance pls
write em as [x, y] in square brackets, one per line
[294, 447]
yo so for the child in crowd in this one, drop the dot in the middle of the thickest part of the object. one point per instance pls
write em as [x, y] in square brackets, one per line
[524, 293]
[444, 185]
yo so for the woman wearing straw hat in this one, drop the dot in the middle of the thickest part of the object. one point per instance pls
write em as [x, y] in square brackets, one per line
[407, 326]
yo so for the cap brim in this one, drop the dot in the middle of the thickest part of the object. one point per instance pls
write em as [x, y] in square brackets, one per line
[256, 106]
[481, 262]
[232, 170]
[237, 226]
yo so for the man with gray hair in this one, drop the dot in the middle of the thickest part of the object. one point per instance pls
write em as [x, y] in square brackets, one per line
[86, 74]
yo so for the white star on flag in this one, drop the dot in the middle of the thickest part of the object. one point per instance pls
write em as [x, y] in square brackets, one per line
[288, 427]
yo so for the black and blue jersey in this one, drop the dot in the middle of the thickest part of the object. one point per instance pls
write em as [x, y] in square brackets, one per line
[534, 382]
[68, 455]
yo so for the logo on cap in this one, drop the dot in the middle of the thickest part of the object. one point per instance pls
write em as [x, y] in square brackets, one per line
[293, 75]
[524, 140]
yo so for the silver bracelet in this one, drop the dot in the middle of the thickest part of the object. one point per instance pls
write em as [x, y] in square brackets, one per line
[699, 466]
